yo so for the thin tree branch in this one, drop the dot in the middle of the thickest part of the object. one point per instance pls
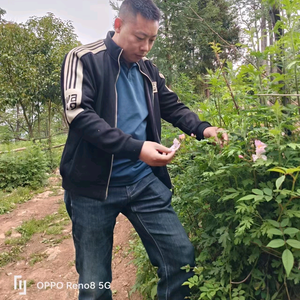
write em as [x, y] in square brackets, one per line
[233, 47]
[202, 20]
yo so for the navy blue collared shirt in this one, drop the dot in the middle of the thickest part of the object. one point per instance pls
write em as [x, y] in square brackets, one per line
[131, 119]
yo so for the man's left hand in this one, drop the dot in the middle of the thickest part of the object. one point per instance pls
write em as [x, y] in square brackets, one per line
[219, 134]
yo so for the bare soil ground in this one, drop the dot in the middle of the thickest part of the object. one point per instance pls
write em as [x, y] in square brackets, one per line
[56, 259]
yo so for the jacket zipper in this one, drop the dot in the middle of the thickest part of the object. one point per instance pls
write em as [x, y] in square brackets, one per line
[116, 119]
[152, 97]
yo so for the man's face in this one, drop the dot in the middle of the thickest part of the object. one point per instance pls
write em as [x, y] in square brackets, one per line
[136, 36]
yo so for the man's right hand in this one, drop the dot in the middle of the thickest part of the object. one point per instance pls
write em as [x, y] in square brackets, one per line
[156, 155]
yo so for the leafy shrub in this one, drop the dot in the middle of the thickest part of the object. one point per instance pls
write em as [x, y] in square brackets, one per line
[5, 135]
[242, 215]
[26, 168]
[184, 87]
[146, 277]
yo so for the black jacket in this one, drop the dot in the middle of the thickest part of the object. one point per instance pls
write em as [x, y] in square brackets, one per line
[88, 82]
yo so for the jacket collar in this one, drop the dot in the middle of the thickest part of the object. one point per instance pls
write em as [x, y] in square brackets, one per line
[113, 49]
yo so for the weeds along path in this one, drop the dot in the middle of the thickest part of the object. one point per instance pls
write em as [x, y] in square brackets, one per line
[36, 243]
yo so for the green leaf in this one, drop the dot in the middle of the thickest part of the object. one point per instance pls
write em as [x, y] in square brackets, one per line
[257, 192]
[258, 198]
[274, 296]
[230, 196]
[294, 243]
[268, 191]
[248, 197]
[284, 222]
[274, 223]
[289, 66]
[153, 292]
[292, 170]
[279, 182]
[275, 231]
[291, 231]
[293, 146]
[231, 190]
[258, 242]
[276, 243]
[268, 198]
[278, 170]
[288, 261]
[293, 213]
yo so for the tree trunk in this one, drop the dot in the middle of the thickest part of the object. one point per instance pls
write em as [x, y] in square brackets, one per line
[39, 120]
[49, 130]
[275, 17]
[271, 42]
[29, 125]
[264, 41]
[18, 122]
[64, 121]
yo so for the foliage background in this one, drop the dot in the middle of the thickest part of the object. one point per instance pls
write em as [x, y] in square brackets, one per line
[223, 59]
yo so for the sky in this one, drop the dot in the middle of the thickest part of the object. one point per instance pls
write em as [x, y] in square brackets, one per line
[90, 18]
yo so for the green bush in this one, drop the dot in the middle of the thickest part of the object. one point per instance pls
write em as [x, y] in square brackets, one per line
[146, 277]
[26, 168]
[184, 87]
[243, 216]
[5, 135]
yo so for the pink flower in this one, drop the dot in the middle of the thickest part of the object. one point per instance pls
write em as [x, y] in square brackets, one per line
[175, 146]
[193, 135]
[260, 147]
[181, 137]
[241, 156]
[256, 157]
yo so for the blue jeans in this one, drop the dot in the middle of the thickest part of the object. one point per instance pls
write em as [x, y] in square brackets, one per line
[147, 205]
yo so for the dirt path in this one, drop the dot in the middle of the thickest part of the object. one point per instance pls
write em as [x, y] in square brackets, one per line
[50, 258]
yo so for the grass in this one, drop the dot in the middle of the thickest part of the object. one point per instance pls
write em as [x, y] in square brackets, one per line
[50, 225]
[37, 257]
[56, 241]
[8, 201]
[10, 256]
[56, 190]
[72, 263]
[56, 140]
[29, 283]
[19, 241]
[8, 233]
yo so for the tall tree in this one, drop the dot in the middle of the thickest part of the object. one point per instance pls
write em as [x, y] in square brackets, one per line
[54, 39]
[187, 29]
[15, 71]
[30, 57]
[2, 13]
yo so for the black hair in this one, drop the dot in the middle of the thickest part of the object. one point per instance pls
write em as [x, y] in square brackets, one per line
[146, 8]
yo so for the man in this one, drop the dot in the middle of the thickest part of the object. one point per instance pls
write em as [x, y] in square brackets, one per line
[113, 162]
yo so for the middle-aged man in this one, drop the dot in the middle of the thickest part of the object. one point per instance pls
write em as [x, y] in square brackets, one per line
[114, 99]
